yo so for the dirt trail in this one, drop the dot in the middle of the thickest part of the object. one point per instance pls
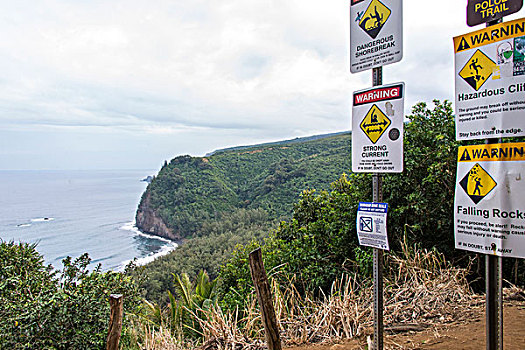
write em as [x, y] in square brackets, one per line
[468, 333]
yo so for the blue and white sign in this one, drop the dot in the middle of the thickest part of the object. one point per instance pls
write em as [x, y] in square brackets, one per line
[371, 225]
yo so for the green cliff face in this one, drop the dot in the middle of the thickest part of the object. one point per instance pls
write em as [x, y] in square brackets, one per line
[190, 191]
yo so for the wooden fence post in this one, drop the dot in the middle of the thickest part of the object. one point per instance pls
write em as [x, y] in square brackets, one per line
[115, 321]
[262, 288]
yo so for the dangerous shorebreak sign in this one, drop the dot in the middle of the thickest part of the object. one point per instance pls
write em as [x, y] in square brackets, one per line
[489, 210]
[377, 129]
[376, 33]
[490, 82]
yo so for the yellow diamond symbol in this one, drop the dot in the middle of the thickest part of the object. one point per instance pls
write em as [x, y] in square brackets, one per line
[477, 183]
[375, 123]
[374, 18]
[477, 70]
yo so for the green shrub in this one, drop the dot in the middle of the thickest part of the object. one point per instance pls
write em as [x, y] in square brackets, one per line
[320, 243]
[41, 308]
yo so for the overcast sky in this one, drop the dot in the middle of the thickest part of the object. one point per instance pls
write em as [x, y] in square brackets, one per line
[126, 84]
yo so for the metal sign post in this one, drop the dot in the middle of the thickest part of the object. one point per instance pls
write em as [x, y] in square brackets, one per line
[494, 301]
[377, 79]
[376, 40]
[494, 284]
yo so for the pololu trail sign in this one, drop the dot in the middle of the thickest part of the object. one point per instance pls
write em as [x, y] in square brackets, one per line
[490, 82]
[489, 210]
[376, 33]
[482, 11]
[377, 129]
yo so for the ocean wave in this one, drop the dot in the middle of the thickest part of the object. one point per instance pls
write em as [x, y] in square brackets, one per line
[149, 258]
[42, 219]
[165, 249]
[131, 226]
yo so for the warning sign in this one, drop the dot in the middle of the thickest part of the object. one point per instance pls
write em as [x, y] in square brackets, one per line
[376, 33]
[371, 225]
[489, 211]
[377, 129]
[375, 123]
[477, 70]
[374, 18]
[490, 82]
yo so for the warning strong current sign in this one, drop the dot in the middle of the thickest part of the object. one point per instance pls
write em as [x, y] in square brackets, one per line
[377, 129]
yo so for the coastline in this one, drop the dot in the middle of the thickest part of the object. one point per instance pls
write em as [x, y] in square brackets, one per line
[164, 250]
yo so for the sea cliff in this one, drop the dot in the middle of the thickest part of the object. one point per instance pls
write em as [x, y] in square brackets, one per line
[148, 221]
[189, 193]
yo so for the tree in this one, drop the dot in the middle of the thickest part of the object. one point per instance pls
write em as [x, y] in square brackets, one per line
[319, 242]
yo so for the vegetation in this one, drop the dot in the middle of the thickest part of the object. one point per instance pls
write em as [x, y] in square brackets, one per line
[319, 243]
[190, 192]
[228, 203]
[435, 290]
[212, 246]
[41, 308]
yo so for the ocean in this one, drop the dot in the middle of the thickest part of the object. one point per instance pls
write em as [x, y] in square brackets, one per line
[68, 213]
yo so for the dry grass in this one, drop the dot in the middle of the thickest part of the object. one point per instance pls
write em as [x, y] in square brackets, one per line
[421, 289]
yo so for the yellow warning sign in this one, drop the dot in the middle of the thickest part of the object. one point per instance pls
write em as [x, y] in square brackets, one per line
[499, 152]
[375, 123]
[374, 18]
[477, 70]
[489, 35]
[477, 183]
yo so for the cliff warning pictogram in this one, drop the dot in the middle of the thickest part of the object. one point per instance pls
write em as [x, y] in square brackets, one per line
[375, 123]
[477, 70]
[374, 18]
[477, 183]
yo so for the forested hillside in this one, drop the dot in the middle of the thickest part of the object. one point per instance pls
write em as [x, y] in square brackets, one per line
[191, 191]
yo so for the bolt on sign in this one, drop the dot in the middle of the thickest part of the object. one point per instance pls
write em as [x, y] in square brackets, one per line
[376, 33]
[489, 210]
[490, 82]
[482, 11]
[377, 129]
[371, 225]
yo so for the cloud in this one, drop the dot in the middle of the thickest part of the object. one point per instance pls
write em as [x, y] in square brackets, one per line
[267, 69]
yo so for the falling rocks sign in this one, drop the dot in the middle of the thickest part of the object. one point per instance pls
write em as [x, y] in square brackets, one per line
[489, 210]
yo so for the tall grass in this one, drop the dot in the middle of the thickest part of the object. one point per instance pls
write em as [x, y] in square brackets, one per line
[420, 288]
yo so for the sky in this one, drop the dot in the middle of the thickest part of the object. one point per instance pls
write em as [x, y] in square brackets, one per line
[127, 84]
